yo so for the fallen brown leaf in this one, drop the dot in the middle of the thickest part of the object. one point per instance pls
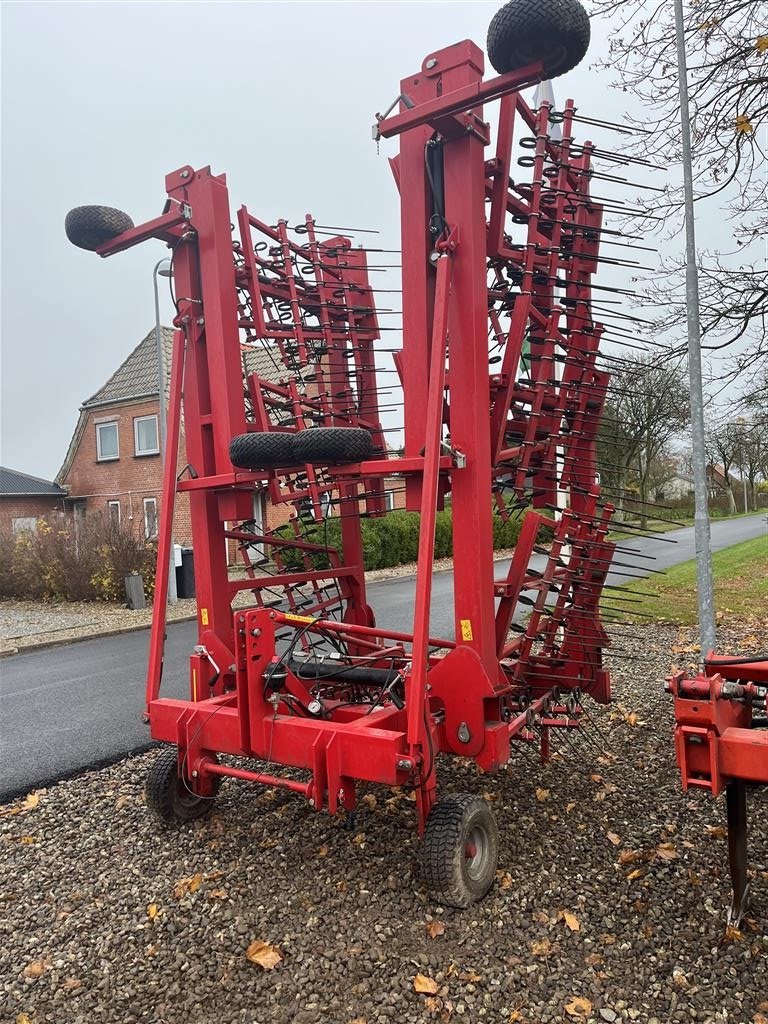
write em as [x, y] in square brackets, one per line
[717, 830]
[542, 795]
[70, 984]
[570, 919]
[121, 802]
[505, 879]
[425, 985]
[470, 976]
[23, 1018]
[578, 1007]
[732, 934]
[369, 800]
[30, 802]
[593, 959]
[679, 978]
[613, 838]
[541, 947]
[35, 969]
[435, 928]
[152, 911]
[187, 885]
[218, 894]
[323, 851]
[263, 954]
[667, 851]
[637, 873]
[630, 856]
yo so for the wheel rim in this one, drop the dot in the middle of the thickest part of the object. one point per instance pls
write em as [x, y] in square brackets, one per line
[477, 851]
[184, 798]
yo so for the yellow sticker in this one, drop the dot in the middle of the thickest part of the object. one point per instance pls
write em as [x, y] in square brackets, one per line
[299, 618]
[204, 616]
[194, 684]
[466, 629]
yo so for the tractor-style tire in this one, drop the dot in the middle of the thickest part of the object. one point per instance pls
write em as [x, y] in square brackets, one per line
[461, 850]
[555, 32]
[168, 798]
[322, 445]
[90, 227]
[262, 451]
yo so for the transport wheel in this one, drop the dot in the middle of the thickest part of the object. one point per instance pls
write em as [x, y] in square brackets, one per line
[89, 227]
[262, 451]
[332, 444]
[461, 850]
[168, 797]
[555, 32]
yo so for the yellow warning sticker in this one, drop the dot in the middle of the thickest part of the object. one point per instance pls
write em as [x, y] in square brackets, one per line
[466, 629]
[204, 616]
[299, 618]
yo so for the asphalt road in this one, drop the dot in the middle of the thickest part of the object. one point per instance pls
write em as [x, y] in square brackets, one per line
[66, 708]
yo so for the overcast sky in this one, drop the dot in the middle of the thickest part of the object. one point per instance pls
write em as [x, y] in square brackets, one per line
[100, 101]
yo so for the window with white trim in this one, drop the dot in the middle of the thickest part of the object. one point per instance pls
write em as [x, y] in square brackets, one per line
[24, 524]
[146, 436]
[113, 510]
[150, 518]
[107, 444]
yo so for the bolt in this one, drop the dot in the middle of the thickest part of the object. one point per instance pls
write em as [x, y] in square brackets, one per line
[431, 63]
[233, 667]
[311, 802]
[185, 174]
[200, 321]
[404, 763]
[194, 774]
[255, 632]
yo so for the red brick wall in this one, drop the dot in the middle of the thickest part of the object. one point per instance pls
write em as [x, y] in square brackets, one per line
[128, 479]
[37, 507]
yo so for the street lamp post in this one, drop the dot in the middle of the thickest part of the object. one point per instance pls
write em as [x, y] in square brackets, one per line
[163, 269]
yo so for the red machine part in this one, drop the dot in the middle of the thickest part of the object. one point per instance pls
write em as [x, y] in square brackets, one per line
[502, 401]
[721, 743]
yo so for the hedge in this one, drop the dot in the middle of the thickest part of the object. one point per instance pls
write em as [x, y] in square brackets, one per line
[392, 539]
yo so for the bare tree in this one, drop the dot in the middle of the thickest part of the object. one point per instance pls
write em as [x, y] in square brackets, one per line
[727, 49]
[648, 408]
[723, 450]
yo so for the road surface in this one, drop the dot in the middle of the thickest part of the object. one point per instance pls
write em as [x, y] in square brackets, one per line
[69, 707]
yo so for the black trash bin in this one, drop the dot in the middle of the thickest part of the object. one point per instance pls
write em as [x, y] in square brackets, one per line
[185, 574]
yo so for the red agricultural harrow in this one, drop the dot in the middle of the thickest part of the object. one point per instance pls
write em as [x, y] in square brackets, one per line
[502, 399]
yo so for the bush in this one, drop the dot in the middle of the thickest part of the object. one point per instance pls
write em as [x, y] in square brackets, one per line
[390, 540]
[68, 562]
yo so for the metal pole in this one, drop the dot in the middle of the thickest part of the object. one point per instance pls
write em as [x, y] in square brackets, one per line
[706, 601]
[161, 418]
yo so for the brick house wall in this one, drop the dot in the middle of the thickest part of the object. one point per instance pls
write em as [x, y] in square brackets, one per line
[94, 484]
[28, 507]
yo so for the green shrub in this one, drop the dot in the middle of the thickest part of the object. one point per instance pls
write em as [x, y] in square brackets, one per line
[389, 540]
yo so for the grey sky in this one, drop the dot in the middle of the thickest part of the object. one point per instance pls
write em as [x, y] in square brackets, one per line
[100, 101]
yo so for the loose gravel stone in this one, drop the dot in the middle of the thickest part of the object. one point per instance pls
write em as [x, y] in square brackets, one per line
[104, 916]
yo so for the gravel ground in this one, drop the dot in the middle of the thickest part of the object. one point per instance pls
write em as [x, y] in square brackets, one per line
[609, 903]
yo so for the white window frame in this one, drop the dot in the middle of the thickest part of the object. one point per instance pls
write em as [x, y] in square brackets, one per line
[112, 505]
[24, 524]
[149, 451]
[147, 534]
[99, 428]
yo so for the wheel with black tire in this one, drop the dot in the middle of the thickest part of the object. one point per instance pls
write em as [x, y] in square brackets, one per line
[90, 227]
[555, 32]
[461, 850]
[262, 451]
[169, 797]
[332, 444]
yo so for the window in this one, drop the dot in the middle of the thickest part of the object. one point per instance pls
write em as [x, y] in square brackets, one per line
[107, 446]
[113, 509]
[145, 435]
[24, 524]
[150, 518]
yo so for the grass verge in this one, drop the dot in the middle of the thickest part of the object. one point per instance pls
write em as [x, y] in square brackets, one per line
[741, 587]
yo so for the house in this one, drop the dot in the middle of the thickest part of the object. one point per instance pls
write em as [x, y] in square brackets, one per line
[680, 486]
[25, 500]
[113, 462]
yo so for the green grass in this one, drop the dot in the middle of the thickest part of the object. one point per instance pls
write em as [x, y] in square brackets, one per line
[741, 587]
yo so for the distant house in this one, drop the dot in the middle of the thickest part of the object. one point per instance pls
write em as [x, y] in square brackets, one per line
[113, 461]
[25, 500]
[680, 486]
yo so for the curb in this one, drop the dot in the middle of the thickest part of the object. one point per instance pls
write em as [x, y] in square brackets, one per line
[62, 641]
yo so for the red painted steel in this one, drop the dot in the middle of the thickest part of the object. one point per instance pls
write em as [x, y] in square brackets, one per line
[276, 332]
